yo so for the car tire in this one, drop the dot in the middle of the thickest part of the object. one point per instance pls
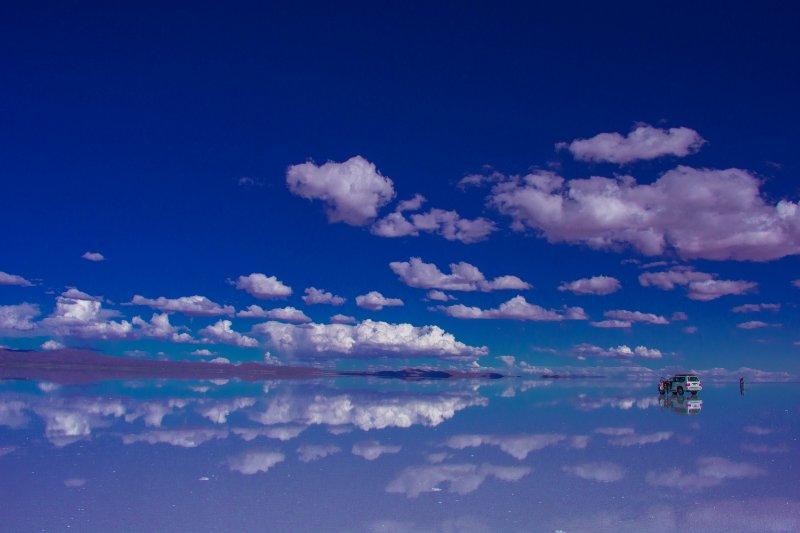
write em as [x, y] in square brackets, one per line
[680, 391]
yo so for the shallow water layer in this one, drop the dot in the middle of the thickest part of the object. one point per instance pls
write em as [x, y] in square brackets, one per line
[375, 455]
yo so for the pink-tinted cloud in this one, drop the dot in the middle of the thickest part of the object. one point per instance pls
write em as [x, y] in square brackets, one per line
[315, 296]
[698, 213]
[189, 305]
[13, 279]
[462, 277]
[447, 224]
[755, 308]
[700, 286]
[517, 308]
[222, 332]
[95, 257]
[642, 143]
[353, 191]
[375, 301]
[599, 285]
[262, 286]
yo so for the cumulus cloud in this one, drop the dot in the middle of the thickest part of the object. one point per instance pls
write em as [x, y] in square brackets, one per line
[462, 277]
[599, 285]
[754, 324]
[439, 296]
[635, 316]
[13, 279]
[699, 285]
[602, 471]
[458, 478]
[619, 352]
[755, 308]
[16, 319]
[254, 461]
[50, 345]
[634, 439]
[182, 438]
[412, 204]
[189, 305]
[517, 308]
[343, 319]
[367, 338]
[698, 213]
[353, 191]
[159, 327]
[447, 224]
[365, 411]
[78, 314]
[314, 452]
[371, 450]
[95, 257]
[320, 296]
[709, 472]
[283, 314]
[641, 143]
[517, 446]
[282, 433]
[262, 286]
[222, 332]
[375, 301]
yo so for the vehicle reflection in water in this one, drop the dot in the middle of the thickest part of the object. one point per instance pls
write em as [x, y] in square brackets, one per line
[681, 405]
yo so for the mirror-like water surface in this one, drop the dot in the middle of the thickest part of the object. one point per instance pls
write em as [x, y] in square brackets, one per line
[382, 455]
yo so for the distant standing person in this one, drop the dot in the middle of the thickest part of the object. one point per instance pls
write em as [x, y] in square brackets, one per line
[741, 385]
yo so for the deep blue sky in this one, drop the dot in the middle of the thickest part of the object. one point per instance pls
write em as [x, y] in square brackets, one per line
[125, 131]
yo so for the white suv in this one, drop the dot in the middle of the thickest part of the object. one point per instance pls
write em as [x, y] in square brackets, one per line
[680, 383]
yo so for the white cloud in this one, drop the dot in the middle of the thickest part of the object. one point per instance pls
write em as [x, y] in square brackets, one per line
[375, 301]
[709, 472]
[371, 450]
[18, 318]
[622, 352]
[320, 296]
[262, 286]
[599, 285]
[78, 314]
[458, 478]
[604, 472]
[203, 352]
[462, 277]
[93, 256]
[439, 296]
[13, 279]
[189, 305]
[754, 324]
[635, 439]
[281, 433]
[410, 205]
[314, 452]
[221, 332]
[159, 327]
[517, 446]
[448, 224]
[352, 191]
[620, 324]
[50, 344]
[283, 314]
[182, 438]
[642, 143]
[517, 308]
[699, 213]
[755, 308]
[635, 316]
[700, 285]
[219, 411]
[255, 461]
[365, 411]
[367, 338]
[343, 319]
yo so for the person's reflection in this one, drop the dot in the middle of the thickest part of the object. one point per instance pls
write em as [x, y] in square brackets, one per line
[741, 385]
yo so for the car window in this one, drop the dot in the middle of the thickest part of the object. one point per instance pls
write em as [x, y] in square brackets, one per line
[693, 378]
